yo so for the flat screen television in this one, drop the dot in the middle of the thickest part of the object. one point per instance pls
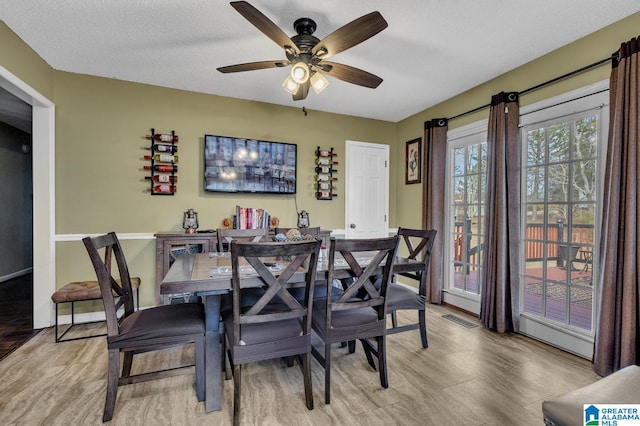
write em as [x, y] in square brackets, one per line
[249, 165]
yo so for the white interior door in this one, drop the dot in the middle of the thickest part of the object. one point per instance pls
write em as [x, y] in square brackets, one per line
[366, 190]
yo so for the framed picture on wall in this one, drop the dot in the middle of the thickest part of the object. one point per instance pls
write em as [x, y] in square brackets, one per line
[413, 162]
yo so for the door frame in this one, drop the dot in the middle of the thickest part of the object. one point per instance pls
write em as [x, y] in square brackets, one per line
[43, 142]
[386, 149]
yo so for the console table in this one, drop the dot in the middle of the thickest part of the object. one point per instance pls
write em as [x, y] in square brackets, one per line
[169, 245]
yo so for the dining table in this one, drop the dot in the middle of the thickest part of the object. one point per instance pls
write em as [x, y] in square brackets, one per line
[208, 275]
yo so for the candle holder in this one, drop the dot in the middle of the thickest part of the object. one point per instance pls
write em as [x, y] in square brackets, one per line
[190, 221]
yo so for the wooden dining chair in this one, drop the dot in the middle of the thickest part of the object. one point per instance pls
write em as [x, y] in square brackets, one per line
[418, 243]
[225, 236]
[276, 325]
[359, 312]
[145, 330]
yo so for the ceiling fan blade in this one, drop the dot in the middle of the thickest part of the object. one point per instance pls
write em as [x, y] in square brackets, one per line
[351, 74]
[251, 66]
[302, 92]
[355, 32]
[264, 24]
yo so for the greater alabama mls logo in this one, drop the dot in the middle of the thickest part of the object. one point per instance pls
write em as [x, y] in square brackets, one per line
[611, 414]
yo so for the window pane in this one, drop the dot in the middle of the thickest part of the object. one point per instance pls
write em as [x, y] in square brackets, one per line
[534, 286]
[556, 301]
[483, 159]
[585, 142]
[581, 305]
[584, 215]
[558, 182]
[584, 181]
[459, 190]
[473, 189]
[536, 147]
[472, 159]
[458, 161]
[535, 218]
[559, 142]
[535, 184]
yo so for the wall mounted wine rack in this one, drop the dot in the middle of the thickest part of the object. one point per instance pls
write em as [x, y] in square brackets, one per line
[325, 185]
[163, 161]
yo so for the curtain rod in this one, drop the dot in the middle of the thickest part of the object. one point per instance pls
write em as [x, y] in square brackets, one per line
[546, 83]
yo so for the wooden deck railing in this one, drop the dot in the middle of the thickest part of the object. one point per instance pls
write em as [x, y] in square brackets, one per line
[467, 256]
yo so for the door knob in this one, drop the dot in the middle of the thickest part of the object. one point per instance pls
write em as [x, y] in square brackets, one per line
[352, 226]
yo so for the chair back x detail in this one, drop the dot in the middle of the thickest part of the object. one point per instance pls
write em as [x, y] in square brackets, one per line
[272, 323]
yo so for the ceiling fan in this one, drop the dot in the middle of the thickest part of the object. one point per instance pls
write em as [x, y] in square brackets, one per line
[307, 54]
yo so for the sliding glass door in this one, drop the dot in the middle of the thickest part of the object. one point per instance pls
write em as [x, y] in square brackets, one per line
[563, 146]
[560, 205]
[466, 171]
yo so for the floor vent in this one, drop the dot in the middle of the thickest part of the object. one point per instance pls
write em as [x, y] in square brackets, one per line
[460, 321]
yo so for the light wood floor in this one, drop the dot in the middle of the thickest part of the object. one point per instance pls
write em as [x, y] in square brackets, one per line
[467, 376]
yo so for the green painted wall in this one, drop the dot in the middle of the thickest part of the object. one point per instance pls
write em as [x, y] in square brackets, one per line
[100, 128]
[100, 186]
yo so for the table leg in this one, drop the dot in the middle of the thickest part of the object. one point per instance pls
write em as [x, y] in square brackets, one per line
[213, 380]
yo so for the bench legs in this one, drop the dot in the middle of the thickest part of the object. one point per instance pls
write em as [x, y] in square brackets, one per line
[73, 323]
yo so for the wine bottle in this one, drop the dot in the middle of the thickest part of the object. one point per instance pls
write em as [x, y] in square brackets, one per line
[325, 194]
[324, 178]
[172, 149]
[165, 188]
[163, 158]
[323, 185]
[325, 153]
[325, 169]
[323, 161]
[163, 178]
[165, 168]
[163, 137]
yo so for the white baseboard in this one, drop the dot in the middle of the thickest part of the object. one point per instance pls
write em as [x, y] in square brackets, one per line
[87, 317]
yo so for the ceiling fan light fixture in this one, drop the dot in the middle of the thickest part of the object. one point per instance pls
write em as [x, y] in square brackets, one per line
[300, 72]
[290, 85]
[321, 52]
[319, 82]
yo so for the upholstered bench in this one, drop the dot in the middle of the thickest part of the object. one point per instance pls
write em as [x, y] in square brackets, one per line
[81, 291]
[621, 387]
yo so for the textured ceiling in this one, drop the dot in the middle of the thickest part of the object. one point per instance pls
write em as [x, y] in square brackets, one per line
[431, 50]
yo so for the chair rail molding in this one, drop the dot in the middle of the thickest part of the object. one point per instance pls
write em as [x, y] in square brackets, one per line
[124, 236]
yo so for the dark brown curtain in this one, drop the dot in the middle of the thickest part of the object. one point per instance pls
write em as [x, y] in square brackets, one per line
[433, 190]
[500, 274]
[617, 339]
